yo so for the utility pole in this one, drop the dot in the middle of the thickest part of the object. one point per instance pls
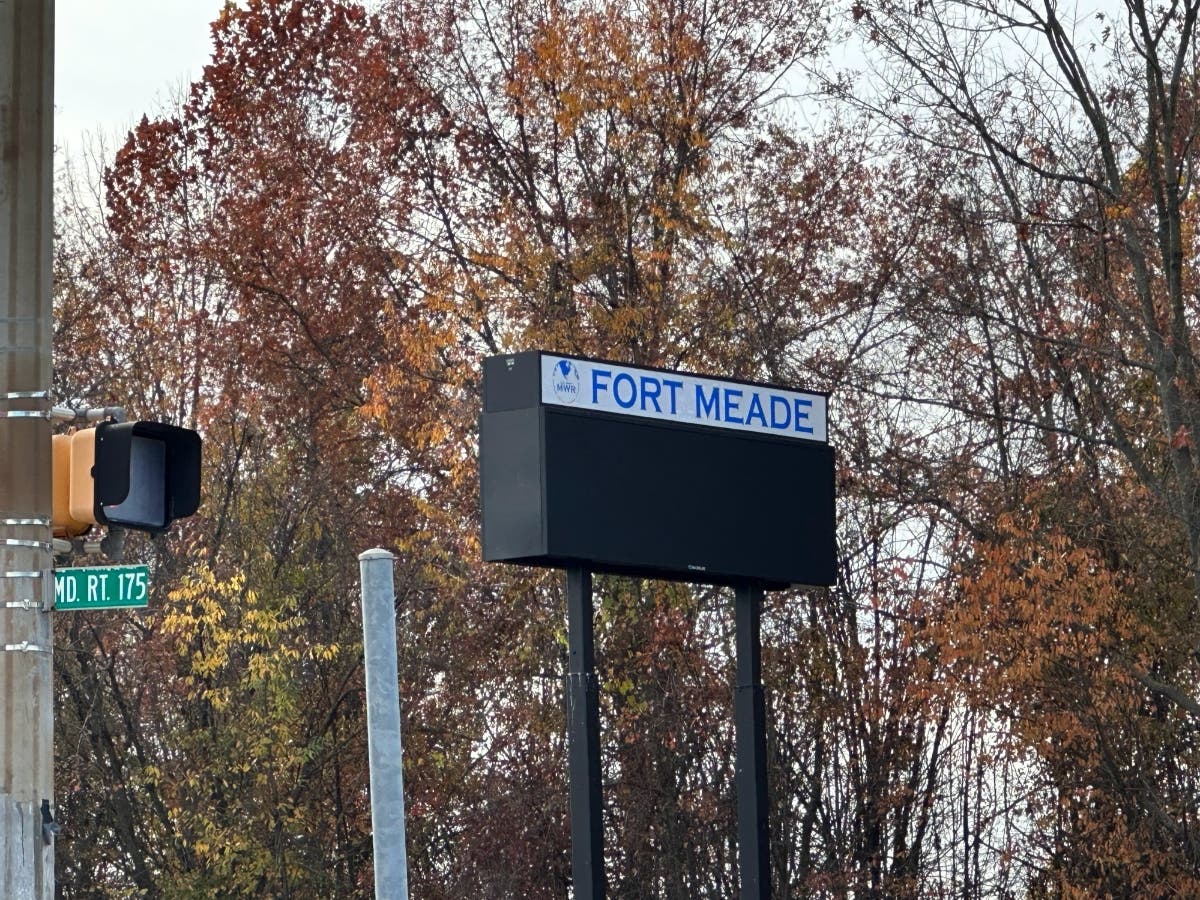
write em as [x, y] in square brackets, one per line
[26, 577]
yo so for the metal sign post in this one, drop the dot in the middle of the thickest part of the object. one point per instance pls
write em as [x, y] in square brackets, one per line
[749, 717]
[583, 742]
[384, 753]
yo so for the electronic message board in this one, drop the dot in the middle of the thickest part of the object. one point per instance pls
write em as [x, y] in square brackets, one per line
[654, 473]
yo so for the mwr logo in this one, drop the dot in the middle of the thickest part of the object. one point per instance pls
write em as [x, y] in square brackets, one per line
[566, 381]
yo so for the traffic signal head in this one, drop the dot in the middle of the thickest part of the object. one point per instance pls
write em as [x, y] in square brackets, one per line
[136, 475]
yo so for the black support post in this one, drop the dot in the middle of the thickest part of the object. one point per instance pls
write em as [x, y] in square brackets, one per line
[583, 742]
[749, 714]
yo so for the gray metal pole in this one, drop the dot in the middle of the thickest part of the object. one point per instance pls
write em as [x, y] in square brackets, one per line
[26, 636]
[383, 725]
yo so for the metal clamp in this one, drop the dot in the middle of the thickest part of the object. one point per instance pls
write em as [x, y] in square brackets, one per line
[25, 413]
[44, 523]
[26, 604]
[47, 594]
[21, 542]
[26, 395]
[25, 647]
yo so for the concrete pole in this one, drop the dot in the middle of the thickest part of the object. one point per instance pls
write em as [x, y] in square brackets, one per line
[26, 636]
[383, 725]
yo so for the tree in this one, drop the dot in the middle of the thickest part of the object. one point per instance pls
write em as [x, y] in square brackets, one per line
[1066, 281]
[345, 213]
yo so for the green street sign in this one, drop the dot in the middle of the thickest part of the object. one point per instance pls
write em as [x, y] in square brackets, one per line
[101, 587]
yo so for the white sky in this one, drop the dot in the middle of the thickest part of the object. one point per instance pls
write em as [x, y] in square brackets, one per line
[116, 60]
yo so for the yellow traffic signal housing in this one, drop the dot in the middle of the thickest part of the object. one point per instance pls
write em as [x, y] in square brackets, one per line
[64, 524]
[137, 475]
[83, 457]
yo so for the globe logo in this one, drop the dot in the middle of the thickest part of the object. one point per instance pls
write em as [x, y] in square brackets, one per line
[565, 381]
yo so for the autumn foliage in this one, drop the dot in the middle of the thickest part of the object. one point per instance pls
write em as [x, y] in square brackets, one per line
[991, 266]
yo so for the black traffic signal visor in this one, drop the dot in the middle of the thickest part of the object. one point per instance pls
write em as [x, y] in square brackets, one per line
[146, 474]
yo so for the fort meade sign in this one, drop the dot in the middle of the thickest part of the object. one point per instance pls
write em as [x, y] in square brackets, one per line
[654, 473]
[595, 466]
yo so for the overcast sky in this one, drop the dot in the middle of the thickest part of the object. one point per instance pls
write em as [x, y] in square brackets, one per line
[117, 59]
